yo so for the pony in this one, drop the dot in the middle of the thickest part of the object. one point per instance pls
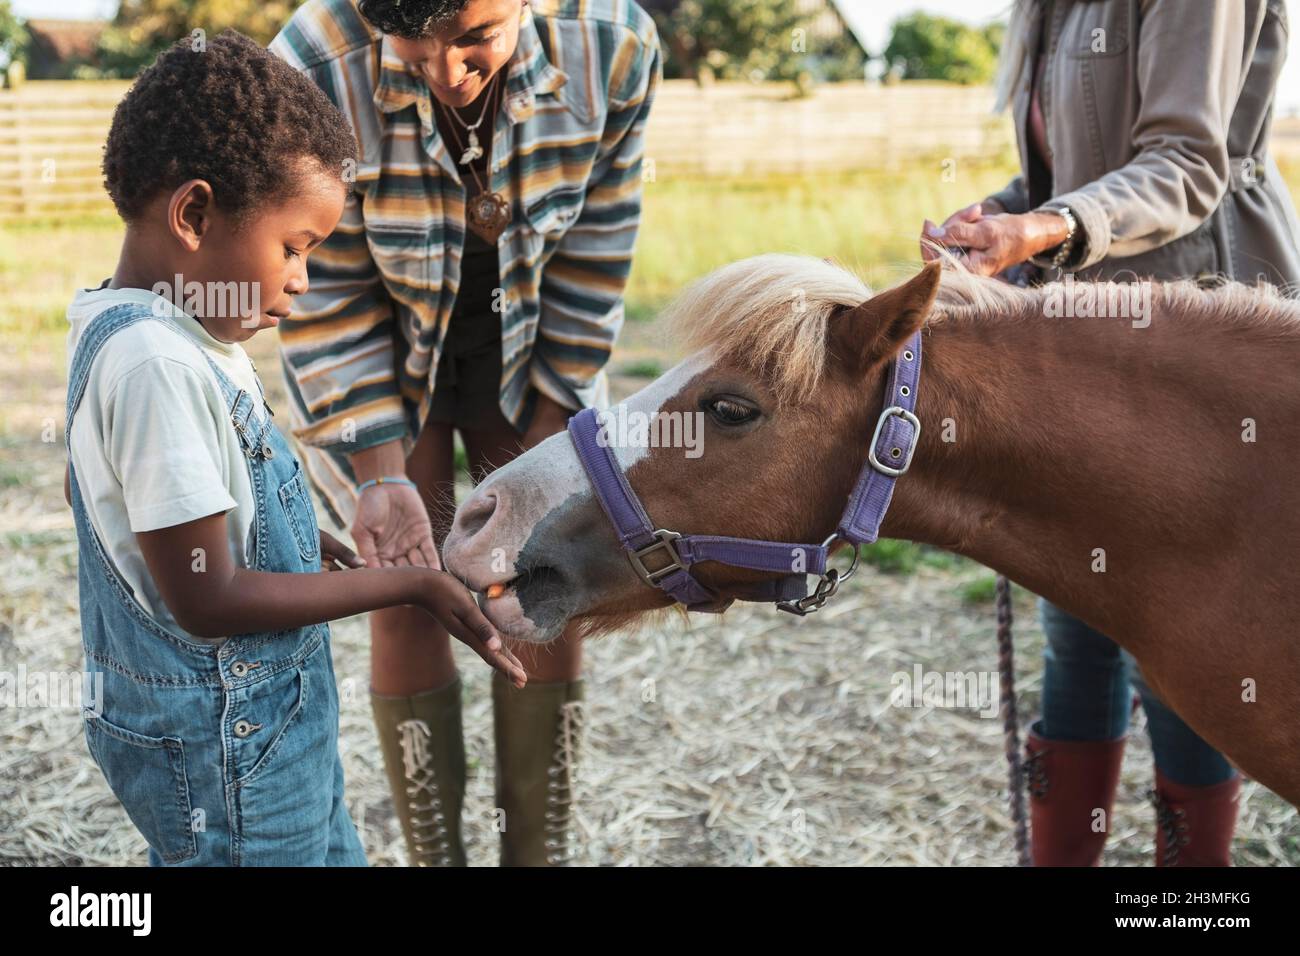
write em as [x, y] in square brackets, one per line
[1127, 451]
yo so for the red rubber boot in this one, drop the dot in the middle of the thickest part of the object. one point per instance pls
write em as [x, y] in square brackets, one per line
[1069, 781]
[1194, 824]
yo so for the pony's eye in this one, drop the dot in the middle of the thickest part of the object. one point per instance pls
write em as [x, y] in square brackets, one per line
[729, 412]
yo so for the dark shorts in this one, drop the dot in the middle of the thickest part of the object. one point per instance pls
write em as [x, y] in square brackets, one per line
[467, 387]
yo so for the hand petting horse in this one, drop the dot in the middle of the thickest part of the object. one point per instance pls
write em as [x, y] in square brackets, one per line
[1134, 469]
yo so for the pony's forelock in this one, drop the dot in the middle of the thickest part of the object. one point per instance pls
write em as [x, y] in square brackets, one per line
[768, 311]
[771, 312]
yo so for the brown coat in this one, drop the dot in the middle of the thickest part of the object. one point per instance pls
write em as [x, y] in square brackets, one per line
[1158, 115]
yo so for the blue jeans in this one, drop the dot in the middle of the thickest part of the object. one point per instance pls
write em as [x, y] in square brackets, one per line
[1087, 696]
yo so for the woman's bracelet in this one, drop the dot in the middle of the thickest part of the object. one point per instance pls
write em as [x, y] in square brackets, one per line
[384, 481]
[1062, 253]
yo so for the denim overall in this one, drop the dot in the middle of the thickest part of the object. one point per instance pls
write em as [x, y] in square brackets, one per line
[224, 753]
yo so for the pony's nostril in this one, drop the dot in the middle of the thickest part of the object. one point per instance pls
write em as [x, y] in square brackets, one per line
[476, 513]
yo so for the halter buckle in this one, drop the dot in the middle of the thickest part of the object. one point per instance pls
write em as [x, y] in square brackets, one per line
[900, 412]
[663, 541]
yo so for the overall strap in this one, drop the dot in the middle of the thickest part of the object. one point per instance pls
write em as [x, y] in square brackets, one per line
[239, 404]
[99, 330]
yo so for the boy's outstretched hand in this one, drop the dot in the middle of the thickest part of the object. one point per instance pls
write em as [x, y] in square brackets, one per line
[448, 601]
[454, 607]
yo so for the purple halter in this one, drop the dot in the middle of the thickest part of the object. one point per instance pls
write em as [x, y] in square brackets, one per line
[888, 457]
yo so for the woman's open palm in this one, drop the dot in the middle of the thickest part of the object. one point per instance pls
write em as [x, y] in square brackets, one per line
[392, 529]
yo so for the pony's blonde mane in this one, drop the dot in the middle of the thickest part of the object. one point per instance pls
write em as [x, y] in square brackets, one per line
[771, 311]
[768, 310]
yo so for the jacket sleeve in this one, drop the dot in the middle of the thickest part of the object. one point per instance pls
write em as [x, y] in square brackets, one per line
[338, 348]
[1013, 197]
[1189, 71]
[581, 293]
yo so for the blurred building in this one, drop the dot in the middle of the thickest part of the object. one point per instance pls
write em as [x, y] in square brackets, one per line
[830, 19]
[833, 24]
[56, 47]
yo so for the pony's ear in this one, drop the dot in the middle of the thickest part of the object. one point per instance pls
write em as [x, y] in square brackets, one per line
[871, 333]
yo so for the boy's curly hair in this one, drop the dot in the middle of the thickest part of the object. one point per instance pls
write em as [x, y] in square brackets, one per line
[233, 114]
[409, 19]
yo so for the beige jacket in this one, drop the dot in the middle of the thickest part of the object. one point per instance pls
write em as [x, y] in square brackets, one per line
[1157, 115]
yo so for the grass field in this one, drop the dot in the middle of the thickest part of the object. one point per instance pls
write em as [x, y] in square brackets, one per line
[868, 220]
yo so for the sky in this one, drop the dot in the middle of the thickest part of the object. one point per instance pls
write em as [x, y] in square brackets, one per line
[871, 20]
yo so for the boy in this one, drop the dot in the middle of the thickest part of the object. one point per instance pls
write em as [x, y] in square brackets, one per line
[201, 597]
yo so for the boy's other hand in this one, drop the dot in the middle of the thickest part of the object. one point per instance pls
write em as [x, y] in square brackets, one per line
[337, 556]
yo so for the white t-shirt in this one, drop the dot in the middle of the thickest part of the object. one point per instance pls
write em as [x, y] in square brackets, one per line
[152, 443]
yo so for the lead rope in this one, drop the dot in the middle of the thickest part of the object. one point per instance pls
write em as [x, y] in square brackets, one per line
[1010, 721]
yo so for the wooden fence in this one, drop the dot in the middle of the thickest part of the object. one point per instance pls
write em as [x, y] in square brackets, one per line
[740, 128]
[52, 134]
[51, 142]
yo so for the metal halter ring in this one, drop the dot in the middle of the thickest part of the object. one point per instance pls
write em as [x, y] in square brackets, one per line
[853, 565]
[827, 585]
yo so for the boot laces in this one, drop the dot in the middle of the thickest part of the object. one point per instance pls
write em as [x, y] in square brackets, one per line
[432, 848]
[1172, 820]
[562, 774]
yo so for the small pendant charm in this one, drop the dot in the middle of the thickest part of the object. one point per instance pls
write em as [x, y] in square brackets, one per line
[488, 214]
[473, 151]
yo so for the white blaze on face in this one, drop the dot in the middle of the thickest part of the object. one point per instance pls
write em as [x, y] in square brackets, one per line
[651, 399]
[533, 485]
[544, 481]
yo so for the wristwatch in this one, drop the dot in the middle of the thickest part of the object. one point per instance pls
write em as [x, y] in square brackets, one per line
[1058, 256]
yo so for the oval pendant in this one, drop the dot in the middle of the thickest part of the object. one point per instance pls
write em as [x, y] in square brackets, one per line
[488, 215]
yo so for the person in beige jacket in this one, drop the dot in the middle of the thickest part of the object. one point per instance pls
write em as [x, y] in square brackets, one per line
[1143, 130]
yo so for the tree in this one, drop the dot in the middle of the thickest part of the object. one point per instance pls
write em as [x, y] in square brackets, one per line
[924, 47]
[144, 28]
[13, 35]
[734, 39]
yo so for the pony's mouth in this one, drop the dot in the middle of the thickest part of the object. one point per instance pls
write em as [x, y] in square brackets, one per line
[533, 606]
[540, 577]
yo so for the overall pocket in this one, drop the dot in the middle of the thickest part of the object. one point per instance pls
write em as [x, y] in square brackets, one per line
[147, 775]
[302, 519]
[278, 705]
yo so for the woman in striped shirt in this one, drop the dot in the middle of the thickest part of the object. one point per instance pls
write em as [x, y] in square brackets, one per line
[475, 283]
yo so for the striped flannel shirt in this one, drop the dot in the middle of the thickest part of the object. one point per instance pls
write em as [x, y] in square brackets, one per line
[360, 351]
